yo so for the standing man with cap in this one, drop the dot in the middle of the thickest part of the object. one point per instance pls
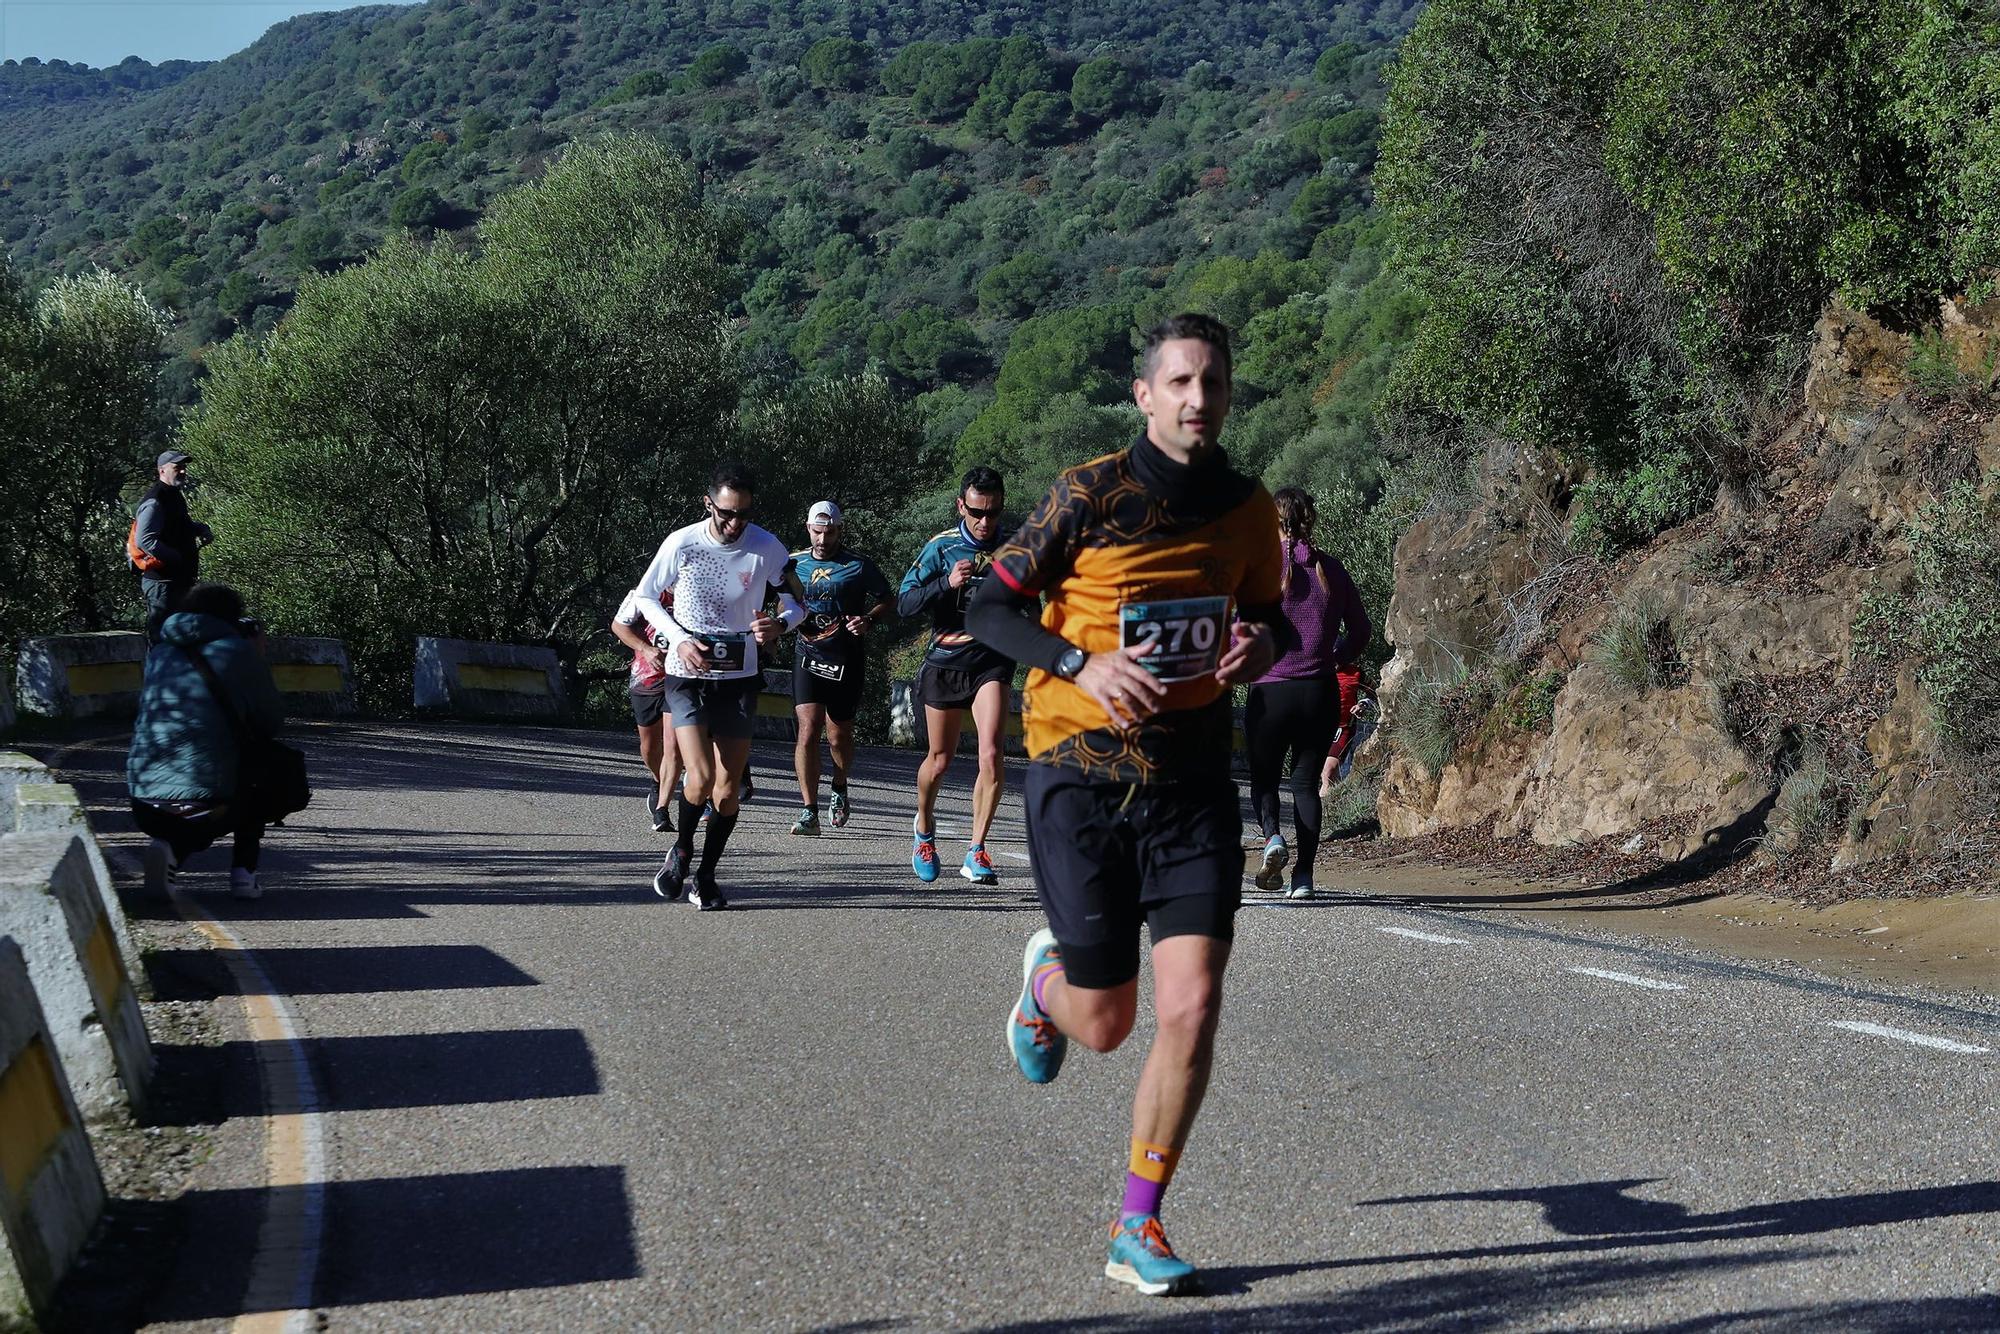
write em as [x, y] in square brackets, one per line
[165, 542]
[845, 593]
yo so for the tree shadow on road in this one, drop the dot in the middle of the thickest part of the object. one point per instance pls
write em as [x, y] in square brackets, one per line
[1514, 1297]
[1600, 1215]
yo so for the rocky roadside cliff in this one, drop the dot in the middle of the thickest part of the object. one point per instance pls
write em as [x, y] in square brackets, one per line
[1706, 694]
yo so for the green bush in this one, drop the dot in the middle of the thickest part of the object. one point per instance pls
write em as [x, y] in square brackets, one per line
[1639, 645]
[1950, 619]
[1611, 513]
[1349, 805]
[1807, 805]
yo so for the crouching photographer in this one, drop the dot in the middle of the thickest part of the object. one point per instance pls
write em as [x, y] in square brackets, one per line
[204, 761]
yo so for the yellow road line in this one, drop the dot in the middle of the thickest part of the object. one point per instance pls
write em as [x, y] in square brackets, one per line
[279, 1297]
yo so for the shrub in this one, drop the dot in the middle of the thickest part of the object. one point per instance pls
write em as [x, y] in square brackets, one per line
[1807, 805]
[1349, 806]
[1639, 646]
[1950, 618]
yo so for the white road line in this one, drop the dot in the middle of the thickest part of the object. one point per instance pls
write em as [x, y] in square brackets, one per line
[1631, 979]
[1420, 935]
[1904, 1035]
[1020, 857]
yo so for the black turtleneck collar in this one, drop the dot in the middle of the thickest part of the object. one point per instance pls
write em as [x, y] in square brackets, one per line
[1180, 483]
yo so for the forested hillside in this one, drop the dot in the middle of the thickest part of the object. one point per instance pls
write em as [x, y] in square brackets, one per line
[973, 210]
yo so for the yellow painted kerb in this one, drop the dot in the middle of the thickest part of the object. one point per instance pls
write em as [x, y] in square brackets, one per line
[32, 1118]
[508, 680]
[105, 678]
[308, 678]
[107, 970]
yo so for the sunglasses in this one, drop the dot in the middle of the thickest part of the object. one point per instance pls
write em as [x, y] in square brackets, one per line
[726, 515]
[974, 512]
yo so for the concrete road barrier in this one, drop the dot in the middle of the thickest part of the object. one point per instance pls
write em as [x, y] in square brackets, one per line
[907, 725]
[50, 1191]
[459, 676]
[83, 676]
[50, 906]
[31, 801]
[312, 674]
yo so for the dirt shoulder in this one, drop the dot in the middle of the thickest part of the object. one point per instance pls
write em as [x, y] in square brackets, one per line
[1943, 940]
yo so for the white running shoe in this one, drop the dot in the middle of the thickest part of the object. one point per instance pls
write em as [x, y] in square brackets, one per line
[1277, 855]
[158, 860]
[244, 884]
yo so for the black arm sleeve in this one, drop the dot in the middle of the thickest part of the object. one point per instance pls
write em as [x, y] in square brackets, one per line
[1009, 623]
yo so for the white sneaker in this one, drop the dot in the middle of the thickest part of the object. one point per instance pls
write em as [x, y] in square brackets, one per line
[1301, 892]
[158, 860]
[244, 884]
[1277, 856]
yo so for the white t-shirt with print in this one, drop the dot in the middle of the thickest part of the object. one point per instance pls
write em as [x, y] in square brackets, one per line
[717, 589]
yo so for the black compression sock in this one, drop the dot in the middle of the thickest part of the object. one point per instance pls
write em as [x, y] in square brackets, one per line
[690, 820]
[719, 829]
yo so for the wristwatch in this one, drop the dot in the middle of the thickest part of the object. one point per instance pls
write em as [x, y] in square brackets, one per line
[1071, 662]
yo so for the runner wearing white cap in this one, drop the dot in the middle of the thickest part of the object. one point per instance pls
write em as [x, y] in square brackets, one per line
[844, 594]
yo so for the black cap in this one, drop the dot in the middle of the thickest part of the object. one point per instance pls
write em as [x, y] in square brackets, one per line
[171, 456]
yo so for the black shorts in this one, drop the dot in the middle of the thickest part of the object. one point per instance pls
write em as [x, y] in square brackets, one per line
[813, 683]
[1171, 856]
[941, 687]
[725, 708]
[649, 703]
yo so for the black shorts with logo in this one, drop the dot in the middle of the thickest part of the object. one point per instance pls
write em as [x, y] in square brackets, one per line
[725, 708]
[942, 687]
[649, 704]
[1109, 856]
[832, 683]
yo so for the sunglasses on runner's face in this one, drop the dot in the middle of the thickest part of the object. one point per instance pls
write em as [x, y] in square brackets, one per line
[726, 515]
[974, 512]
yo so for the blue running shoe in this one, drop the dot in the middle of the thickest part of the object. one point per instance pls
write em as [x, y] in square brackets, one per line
[837, 809]
[807, 823]
[1141, 1256]
[978, 868]
[924, 858]
[1037, 1044]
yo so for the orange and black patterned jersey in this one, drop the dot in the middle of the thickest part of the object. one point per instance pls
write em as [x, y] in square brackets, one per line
[1113, 537]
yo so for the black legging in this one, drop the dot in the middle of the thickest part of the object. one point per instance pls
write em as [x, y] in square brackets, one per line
[189, 834]
[1299, 718]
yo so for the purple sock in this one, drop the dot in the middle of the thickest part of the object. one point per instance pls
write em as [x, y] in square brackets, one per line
[1141, 1196]
[1042, 976]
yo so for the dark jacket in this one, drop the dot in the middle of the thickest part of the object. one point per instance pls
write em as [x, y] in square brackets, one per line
[167, 531]
[184, 747]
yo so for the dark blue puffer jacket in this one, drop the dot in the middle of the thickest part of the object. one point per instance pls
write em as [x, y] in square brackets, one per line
[183, 745]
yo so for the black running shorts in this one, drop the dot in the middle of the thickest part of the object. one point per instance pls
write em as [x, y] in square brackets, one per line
[954, 687]
[648, 704]
[1108, 856]
[831, 684]
[725, 708]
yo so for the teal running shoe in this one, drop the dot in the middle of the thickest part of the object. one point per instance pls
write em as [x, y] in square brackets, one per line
[978, 868]
[807, 823]
[924, 858]
[1276, 856]
[1038, 1046]
[836, 809]
[1141, 1257]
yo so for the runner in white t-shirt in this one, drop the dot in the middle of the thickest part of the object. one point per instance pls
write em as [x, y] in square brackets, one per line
[720, 571]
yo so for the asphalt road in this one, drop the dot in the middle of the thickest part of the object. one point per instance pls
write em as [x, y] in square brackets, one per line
[544, 1099]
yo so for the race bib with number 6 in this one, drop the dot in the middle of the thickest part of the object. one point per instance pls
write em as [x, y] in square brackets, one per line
[1187, 635]
[726, 652]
